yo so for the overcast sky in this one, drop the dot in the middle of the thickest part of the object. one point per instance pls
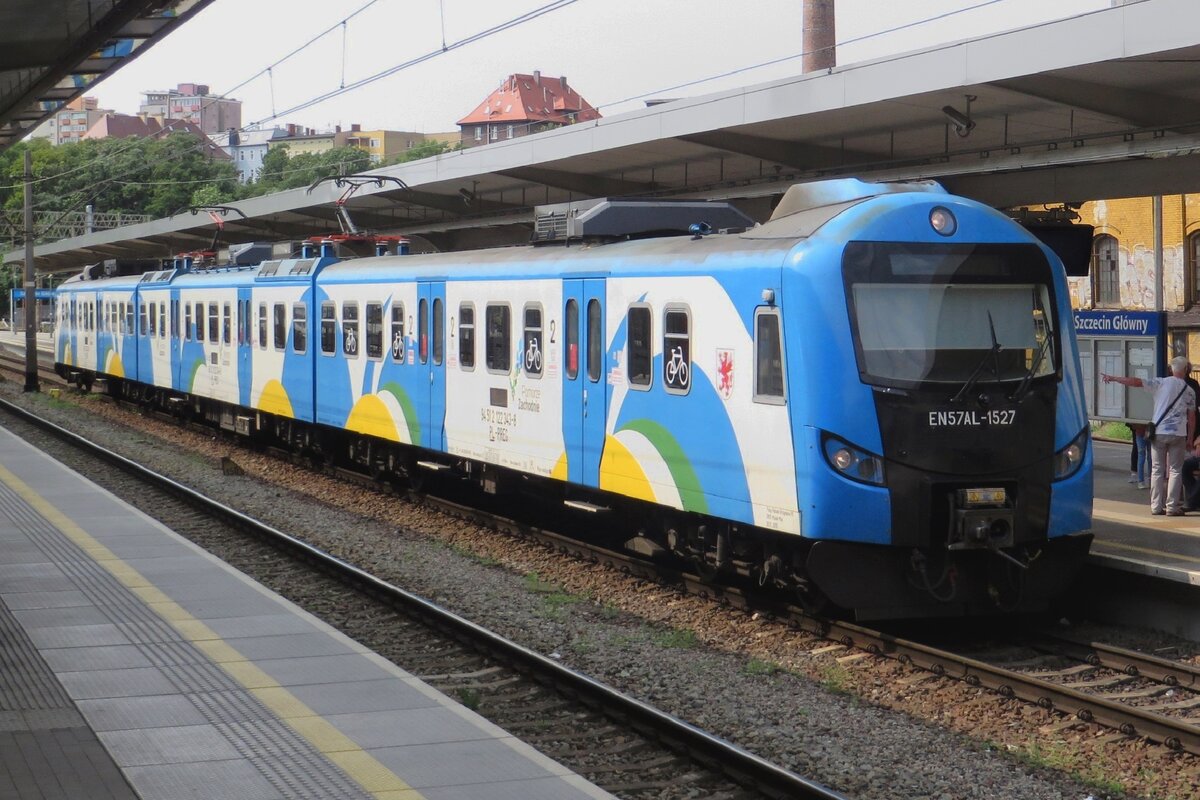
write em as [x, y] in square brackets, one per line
[610, 50]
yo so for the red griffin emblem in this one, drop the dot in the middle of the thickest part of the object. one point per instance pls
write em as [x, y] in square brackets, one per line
[725, 373]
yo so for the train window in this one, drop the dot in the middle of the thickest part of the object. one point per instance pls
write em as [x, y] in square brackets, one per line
[187, 322]
[226, 323]
[439, 330]
[279, 326]
[128, 309]
[374, 330]
[143, 325]
[423, 330]
[571, 342]
[240, 323]
[531, 341]
[328, 328]
[162, 320]
[466, 336]
[640, 349]
[595, 347]
[214, 323]
[499, 341]
[299, 327]
[262, 326]
[152, 316]
[174, 319]
[677, 350]
[768, 360]
[398, 332]
[350, 329]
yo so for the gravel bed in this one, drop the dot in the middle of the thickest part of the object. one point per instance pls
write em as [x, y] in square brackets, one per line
[867, 726]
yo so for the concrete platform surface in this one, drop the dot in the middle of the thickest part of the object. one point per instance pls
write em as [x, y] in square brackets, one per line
[133, 663]
[1128, 538]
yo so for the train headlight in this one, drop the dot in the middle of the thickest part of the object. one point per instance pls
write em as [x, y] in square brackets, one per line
[853, 462]
[1068, 460]
[943, 221]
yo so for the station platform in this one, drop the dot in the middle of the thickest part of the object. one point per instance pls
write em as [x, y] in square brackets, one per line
[1128, 538]
[133, 664]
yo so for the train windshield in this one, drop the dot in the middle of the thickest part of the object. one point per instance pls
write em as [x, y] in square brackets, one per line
[951, 314]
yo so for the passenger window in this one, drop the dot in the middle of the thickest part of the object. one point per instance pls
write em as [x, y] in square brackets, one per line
[328, 328]
[499, 342]
[350, 329]
[398, 332]
[153, 316]
[595, 346]
[639, 349]
[262, 325]
[162, 319]
[187, 322]
[213, 323]
[374, 330]
[226, 323]
[768, 361]
[174, 319]
[127, 316]
[423, 330]
[299, 328]
[531, 341]
[677, 351]
[439, 330]
[280, 325]
[571, 340]
[466, 336]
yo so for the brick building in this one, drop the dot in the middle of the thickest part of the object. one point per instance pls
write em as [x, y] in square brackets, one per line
[1123, 263]
[524, 104]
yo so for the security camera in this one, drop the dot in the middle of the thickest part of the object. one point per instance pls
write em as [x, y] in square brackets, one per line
[963, 124]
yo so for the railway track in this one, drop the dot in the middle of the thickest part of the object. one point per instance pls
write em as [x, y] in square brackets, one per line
[623, 745]
[1132, 693]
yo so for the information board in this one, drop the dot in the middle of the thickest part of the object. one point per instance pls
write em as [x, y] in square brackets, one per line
[1127, 343]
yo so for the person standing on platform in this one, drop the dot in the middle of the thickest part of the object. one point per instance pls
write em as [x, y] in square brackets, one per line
[1139, 453]
[1173, 429]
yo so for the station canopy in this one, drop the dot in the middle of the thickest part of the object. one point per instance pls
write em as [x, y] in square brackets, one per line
[52, 51]
[1100, 105]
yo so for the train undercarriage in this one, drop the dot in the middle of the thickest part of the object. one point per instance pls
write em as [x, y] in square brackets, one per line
[825, 576]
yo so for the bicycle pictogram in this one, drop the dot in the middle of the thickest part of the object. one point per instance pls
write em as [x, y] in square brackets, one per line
[677, 369]
[533, 356]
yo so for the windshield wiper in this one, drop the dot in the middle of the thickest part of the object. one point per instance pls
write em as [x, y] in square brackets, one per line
[992, 353]
[1019, 392]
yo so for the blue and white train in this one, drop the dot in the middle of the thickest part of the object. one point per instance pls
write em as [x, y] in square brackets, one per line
[873, 398]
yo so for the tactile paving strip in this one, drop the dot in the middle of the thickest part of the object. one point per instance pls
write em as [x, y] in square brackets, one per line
[280, 754]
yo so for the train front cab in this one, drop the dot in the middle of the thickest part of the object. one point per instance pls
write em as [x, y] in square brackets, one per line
[947, 467]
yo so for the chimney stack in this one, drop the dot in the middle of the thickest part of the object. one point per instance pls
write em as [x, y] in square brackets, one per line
[819, 41]
[537, 77]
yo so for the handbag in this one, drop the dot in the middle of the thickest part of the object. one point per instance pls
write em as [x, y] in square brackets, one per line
[1150, 426]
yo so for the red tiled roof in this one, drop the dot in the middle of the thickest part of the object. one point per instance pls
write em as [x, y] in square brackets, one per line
[532, 98]
[118, 126]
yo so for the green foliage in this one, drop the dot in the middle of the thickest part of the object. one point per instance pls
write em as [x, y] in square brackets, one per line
[836, 678]
[757, 666]
[424, 150]
[281, 171]
[155, 176]
[678, 638]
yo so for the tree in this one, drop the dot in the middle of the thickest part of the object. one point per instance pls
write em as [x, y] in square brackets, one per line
[431, 147]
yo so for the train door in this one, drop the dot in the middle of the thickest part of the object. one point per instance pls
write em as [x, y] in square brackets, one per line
[87, 333]
[585, 392]
[431, 349]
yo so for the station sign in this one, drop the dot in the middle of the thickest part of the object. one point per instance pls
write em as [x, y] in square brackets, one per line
[1118, 342]
[38, 294]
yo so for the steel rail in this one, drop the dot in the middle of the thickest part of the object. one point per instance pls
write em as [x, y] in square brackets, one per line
[715, 753]
[1130, 720]
[1130, 662]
